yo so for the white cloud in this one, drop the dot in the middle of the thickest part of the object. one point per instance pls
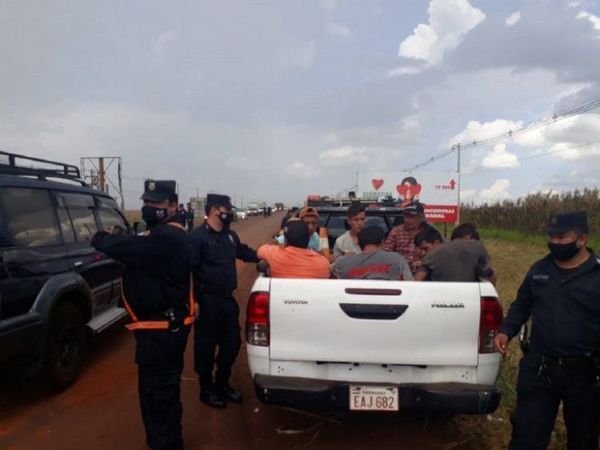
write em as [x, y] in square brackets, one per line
[594, 20]
[449, 22]
[338, 30]
[564, 134]
[344, 156]
[302, 56]
[497, 191]
[573, 4]
[300, 169]
[403, 70]
[466, 195]
[513, 19]
[499, 158]
[477, 131]
[163, 41]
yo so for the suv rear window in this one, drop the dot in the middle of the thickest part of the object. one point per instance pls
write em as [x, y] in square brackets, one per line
[29, 216]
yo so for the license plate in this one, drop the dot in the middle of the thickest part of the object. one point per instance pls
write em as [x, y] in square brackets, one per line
[373, 398]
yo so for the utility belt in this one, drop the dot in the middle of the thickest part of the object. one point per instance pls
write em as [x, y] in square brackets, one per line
[572, 361]
[170, 319]
[577, 363]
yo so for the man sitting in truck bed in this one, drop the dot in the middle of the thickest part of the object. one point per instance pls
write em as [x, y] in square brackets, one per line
[347, 243]
[462, 259]
[373, 262]
[294, 259]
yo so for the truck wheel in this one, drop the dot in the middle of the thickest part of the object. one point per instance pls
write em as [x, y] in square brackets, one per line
[64, 346]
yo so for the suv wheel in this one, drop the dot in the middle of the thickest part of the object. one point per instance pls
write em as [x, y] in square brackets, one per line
[65, 346]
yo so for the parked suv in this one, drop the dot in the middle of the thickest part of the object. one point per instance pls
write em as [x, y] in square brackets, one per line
[54, 287]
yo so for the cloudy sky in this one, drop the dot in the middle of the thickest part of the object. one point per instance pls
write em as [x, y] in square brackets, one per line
[275, 99]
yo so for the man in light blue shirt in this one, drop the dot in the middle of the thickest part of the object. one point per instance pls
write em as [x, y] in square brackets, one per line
[310, 216]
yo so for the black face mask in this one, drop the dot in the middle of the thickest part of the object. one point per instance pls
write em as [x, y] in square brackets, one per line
[226, 218]
[563, 252]
[153, 216]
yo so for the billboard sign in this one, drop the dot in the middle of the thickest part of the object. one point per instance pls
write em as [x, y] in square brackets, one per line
[438, 191]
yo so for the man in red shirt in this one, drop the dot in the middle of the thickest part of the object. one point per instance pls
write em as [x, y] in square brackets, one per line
[402, 238]
[294, 260]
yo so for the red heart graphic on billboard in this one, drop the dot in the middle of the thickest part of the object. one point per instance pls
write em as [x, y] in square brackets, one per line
[377, 183]
[408, 190]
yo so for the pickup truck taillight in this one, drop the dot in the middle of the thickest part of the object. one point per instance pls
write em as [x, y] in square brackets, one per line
[489, 323]
[257, 319]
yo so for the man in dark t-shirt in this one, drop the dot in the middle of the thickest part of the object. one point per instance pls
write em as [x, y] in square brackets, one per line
[373, 262]
[462, 259]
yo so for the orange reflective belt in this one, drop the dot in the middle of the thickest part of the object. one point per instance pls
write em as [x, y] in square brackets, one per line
[137, 324]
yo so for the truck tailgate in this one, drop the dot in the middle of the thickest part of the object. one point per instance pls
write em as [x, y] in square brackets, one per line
[374, 321]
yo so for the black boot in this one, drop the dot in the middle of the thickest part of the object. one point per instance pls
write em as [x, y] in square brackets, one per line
[229, 393]
[213, 398]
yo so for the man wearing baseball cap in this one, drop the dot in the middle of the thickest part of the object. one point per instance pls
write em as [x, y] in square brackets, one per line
[401, 238]
[294, 260]
[561, 296]
[310, 216]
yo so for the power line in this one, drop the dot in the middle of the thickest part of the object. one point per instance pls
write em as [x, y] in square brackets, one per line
[550, 152]
[581, 109]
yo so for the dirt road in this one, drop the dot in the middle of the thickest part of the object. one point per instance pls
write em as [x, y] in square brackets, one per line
[101, 410]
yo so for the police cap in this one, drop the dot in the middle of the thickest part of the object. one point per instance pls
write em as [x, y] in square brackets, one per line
[218, 200]
[159, 190]
[573, 221]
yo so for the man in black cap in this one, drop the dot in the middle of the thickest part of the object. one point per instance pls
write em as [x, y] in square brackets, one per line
[156, 293]
[215, 248]
[561, 295]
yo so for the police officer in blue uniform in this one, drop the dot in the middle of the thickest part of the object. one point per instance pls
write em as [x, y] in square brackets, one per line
[156, 292]
[215, 248]
[561, 295]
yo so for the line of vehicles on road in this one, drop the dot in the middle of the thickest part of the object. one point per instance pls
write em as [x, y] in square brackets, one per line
[367, 345]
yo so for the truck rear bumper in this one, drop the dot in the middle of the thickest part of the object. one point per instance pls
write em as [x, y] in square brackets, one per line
[309, 394]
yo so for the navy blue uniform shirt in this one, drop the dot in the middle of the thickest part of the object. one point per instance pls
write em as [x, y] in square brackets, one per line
[564, 307]
[157, 268]
[213, 258]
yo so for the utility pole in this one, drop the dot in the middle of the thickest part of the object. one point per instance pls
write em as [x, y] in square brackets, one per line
[101, 175]
[96, 170]
[458, 186]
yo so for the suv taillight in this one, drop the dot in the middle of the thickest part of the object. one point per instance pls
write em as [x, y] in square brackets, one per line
[489, 323]
[257, 319]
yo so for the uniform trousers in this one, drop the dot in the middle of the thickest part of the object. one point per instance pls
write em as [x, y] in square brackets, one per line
[217, 327]
[539, 393]
[159, 356]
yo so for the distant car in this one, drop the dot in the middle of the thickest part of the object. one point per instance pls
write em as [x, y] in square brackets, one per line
[241, 214]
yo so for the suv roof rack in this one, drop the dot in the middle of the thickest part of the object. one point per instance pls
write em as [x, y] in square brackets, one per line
[9, 165]
[315, 200]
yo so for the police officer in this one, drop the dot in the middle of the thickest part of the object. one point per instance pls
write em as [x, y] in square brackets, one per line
[189, 217]
[156, 293]
[215, 248]
[561, 294]
[182, 215]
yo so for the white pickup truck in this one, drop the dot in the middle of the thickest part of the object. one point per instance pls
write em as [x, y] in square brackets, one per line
[374, 345]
